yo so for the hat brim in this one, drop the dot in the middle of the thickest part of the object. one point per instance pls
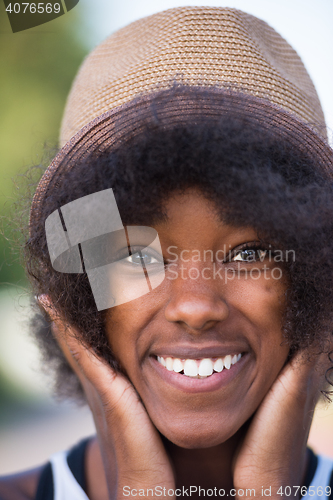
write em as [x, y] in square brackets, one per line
[179, 106]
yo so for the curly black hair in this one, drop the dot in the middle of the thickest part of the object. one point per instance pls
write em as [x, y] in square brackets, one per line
[254, 177]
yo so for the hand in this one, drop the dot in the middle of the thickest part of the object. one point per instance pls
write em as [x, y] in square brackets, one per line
[273, 452]
[132, 451]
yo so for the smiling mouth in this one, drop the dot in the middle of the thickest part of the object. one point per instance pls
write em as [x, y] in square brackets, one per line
[199, 368]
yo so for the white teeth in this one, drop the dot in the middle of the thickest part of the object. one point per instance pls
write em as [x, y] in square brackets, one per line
[206, 367]
[190, 368]
[234, 359]
[227, 362]
[161, 360]
[169, 364]
[218, 365]
[198, 368]
[177, 365]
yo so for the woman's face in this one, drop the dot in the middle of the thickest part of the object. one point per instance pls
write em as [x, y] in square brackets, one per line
[206, 308]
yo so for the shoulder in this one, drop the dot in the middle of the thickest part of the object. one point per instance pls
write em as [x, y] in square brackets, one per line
[22, 486]
[39, 482]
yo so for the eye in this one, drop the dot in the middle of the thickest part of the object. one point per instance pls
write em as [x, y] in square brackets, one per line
[250, 254]
[142, 258]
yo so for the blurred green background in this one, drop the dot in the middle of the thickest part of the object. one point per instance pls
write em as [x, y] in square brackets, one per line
[33, 91]
[37, 67]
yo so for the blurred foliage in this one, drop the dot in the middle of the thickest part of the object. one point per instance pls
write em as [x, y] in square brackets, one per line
[37, 67]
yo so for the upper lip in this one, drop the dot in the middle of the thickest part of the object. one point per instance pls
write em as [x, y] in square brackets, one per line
[199, 352]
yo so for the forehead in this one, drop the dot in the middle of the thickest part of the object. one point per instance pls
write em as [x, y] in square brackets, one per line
[192, 219]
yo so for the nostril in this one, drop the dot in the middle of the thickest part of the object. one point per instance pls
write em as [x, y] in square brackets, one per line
[198, 325]
[197, 313]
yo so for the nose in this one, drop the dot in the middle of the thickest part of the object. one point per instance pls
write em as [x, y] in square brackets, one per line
[197, 308]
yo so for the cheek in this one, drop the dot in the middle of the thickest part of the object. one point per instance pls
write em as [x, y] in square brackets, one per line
[126, 325]
[262, 303]
[261, 300]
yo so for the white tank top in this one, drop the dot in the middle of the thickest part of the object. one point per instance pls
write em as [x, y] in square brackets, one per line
[65, 485]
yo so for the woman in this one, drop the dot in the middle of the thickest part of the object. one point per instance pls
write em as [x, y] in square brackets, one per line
[180, 250]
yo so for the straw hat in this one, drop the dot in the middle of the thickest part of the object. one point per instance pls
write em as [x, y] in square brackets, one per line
[222, 49]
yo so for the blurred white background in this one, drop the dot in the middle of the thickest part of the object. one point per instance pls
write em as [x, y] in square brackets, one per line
[305, 24]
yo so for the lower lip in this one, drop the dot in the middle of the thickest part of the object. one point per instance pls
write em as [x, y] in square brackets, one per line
[191, 384]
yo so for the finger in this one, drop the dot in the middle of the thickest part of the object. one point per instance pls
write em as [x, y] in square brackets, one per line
[307, 370]
[71, 341]
[94, 372]
[89, 367]
[298, 386]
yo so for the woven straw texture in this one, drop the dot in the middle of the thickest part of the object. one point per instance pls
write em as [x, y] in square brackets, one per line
[196, 46]
[218, 52]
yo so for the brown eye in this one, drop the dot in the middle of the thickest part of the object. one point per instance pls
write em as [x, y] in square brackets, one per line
[249, 255]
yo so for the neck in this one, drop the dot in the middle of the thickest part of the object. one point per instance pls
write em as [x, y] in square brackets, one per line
[204, 467]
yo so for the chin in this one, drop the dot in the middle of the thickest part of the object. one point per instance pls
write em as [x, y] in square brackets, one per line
[195, 435]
